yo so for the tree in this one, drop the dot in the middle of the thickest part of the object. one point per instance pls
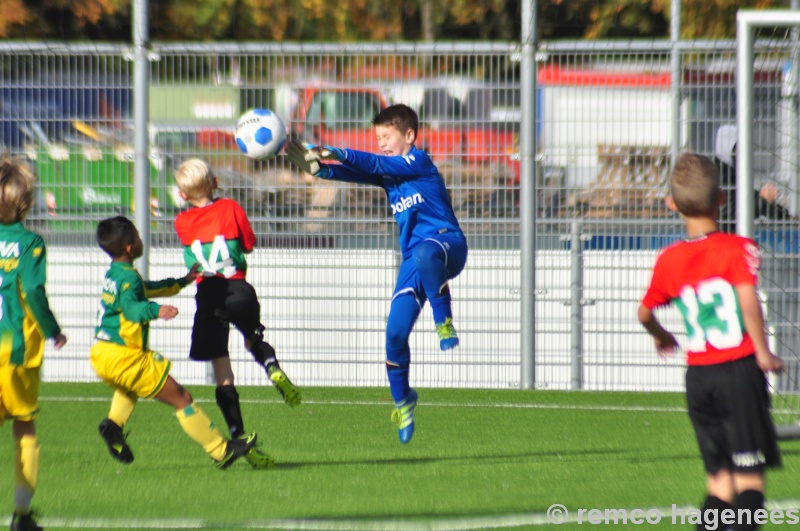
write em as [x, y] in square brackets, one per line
[368, 20]
[603, 19]
[63, 19]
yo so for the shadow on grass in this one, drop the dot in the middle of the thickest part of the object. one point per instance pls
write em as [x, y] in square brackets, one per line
[444, 459]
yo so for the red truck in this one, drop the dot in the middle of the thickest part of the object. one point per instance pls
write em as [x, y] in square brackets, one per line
[473, 154]
[337, 116]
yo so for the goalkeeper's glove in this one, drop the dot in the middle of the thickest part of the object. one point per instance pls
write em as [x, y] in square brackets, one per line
[328, 153]
[306, 159]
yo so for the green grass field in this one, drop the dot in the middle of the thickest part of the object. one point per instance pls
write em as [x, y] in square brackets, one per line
[479, 459]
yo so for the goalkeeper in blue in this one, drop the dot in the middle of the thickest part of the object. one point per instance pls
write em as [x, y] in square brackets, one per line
[433, 246]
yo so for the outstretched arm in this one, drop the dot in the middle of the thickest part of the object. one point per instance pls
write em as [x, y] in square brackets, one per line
[341, 172]
[308, 158]
[409, 166]
[166, 287]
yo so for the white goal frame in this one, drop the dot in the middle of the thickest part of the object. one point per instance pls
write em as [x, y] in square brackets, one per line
[746, 23]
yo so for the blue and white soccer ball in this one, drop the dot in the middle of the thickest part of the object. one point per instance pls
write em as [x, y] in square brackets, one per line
[260, 134]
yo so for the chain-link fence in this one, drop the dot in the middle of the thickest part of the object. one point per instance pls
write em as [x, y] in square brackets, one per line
[326, 256]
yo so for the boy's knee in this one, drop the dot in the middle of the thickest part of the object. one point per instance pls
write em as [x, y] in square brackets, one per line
[253, 338]
[185, 395]
[395, 340]
[397, 358]
[425, 253]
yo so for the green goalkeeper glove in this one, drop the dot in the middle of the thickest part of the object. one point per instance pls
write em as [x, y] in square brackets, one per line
[306, 159]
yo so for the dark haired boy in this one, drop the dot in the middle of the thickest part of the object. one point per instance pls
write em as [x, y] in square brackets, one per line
[122, 359]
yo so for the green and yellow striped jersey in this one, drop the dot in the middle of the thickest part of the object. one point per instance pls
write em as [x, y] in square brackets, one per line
[126, 309]
[25, 316]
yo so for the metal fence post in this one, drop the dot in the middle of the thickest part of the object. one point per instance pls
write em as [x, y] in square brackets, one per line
[676, 67]
[794, 121]
[576, 303]
[141, 162]
[527, 210]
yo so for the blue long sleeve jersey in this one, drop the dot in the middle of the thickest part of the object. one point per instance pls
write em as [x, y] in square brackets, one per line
[414, 187]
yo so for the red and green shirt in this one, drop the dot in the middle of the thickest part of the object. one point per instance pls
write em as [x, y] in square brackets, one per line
[217, 236]
[700, 276]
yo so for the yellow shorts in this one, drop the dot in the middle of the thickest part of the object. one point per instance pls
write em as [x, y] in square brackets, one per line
[19, 392]
[135, 370]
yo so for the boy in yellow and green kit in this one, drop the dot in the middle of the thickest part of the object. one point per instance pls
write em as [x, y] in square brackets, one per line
[25, 323]
[121, 356]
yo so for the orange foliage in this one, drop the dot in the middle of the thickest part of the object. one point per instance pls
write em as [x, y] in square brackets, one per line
[90, 11]
[13, 13]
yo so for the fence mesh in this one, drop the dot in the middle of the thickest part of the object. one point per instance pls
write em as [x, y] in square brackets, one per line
[326, 255]
[775, 149]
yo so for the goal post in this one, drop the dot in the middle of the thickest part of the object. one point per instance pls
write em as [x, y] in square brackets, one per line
[768, 158]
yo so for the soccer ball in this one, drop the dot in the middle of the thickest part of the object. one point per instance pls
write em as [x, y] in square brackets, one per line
[260, 134]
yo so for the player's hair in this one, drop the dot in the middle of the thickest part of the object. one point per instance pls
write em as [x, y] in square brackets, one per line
[400, 116]
[16, 189]
[695, 185]
[114, 234]
[195, 179]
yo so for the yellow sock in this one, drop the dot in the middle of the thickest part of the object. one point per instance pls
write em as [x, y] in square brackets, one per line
[26, 470]
[199, 427]
[121, 407]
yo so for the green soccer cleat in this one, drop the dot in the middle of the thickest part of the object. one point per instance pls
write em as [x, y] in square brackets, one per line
[24, 522]
[259, 459]
[115, 440]
[403, 417]
[235, 449]
[290, 394]
[447, 334]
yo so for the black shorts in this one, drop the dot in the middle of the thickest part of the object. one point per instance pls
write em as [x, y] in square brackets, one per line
[220, 303]
[729, 408]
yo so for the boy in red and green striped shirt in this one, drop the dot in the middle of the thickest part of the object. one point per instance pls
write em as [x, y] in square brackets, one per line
[216, 234]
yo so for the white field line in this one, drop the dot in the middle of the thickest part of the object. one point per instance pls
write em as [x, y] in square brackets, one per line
[649, 409]
[344, 524]
[573, 407]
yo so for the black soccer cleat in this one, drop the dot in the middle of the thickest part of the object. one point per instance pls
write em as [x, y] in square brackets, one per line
[24, 522]
[115, 440]
[235, 449]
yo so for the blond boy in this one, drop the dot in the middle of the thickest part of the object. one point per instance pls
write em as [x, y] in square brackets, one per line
[25, 324]
[711, 278]
[216, 235]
